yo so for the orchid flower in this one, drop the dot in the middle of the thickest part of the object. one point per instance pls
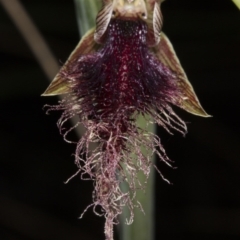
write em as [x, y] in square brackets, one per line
[124, 68]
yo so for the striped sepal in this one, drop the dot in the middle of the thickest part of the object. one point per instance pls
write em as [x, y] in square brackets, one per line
[60, 85]
[188, 99]
[154, 21]
[102, 20]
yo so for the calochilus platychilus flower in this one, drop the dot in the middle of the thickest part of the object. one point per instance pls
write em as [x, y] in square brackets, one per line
[123, 68]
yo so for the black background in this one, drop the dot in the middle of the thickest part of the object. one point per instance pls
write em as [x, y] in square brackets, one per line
[204, 200]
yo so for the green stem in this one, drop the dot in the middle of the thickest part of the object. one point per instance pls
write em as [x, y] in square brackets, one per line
[86, 11]
[143, 225]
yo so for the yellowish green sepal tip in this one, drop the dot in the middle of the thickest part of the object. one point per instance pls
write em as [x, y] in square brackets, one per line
[237, 2]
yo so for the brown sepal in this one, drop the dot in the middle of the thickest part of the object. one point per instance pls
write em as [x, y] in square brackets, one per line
[59, 85]
[188, 100]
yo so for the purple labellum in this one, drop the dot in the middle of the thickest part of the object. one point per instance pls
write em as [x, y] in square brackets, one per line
[122, 78]
[109, 89]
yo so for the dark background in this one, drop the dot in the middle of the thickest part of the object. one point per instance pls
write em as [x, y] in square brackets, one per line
[204, 200]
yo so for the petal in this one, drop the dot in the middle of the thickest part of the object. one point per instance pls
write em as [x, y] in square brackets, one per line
[154, 21]
[60, 85]
[188, 101]
[102, 20]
